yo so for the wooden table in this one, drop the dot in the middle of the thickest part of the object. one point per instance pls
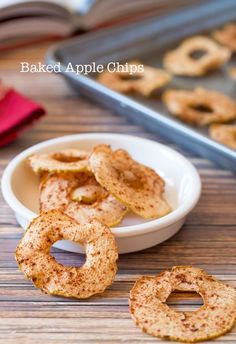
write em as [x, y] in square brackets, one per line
[207, 240]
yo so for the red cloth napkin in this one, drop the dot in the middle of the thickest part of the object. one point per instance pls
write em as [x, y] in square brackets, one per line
[16, 113]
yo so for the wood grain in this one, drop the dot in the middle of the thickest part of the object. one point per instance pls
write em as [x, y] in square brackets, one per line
[208, 239]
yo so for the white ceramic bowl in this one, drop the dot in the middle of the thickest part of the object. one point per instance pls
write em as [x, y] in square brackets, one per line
[183, 187]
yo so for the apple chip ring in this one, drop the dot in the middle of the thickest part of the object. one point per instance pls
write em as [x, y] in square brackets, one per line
[232, 73]
[80, 197]
[35, 261]
[151, 313]
[224, 133]
[200, 107]
[67, 160]
[138, 187]
[226, 36]
[144, 83]
[182, 60]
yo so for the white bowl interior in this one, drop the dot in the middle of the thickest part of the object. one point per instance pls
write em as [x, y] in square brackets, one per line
[176, 172]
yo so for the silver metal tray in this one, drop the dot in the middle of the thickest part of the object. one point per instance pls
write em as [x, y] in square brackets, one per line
[147, 41]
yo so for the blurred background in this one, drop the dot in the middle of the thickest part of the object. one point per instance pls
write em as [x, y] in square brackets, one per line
[27, 30]
[24, 22]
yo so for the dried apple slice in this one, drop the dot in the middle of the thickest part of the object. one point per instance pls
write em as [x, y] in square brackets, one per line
[67, 160]
[36, 262]
[138, 187]
[151, 313]
[81, 197]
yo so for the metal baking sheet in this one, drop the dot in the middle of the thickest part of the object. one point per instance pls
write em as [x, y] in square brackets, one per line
[148, 41]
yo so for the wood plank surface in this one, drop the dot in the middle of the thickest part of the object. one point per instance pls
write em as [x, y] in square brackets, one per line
[207, 240]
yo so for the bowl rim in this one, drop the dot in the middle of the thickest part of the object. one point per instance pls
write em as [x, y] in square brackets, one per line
[153, 225]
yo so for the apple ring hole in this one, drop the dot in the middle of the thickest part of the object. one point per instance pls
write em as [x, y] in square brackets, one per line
[68, 258]
[65, 158]
[202, 108]
[132, 180]
[197, 54]
[130, 77]
[88, 194]
[187, 301]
